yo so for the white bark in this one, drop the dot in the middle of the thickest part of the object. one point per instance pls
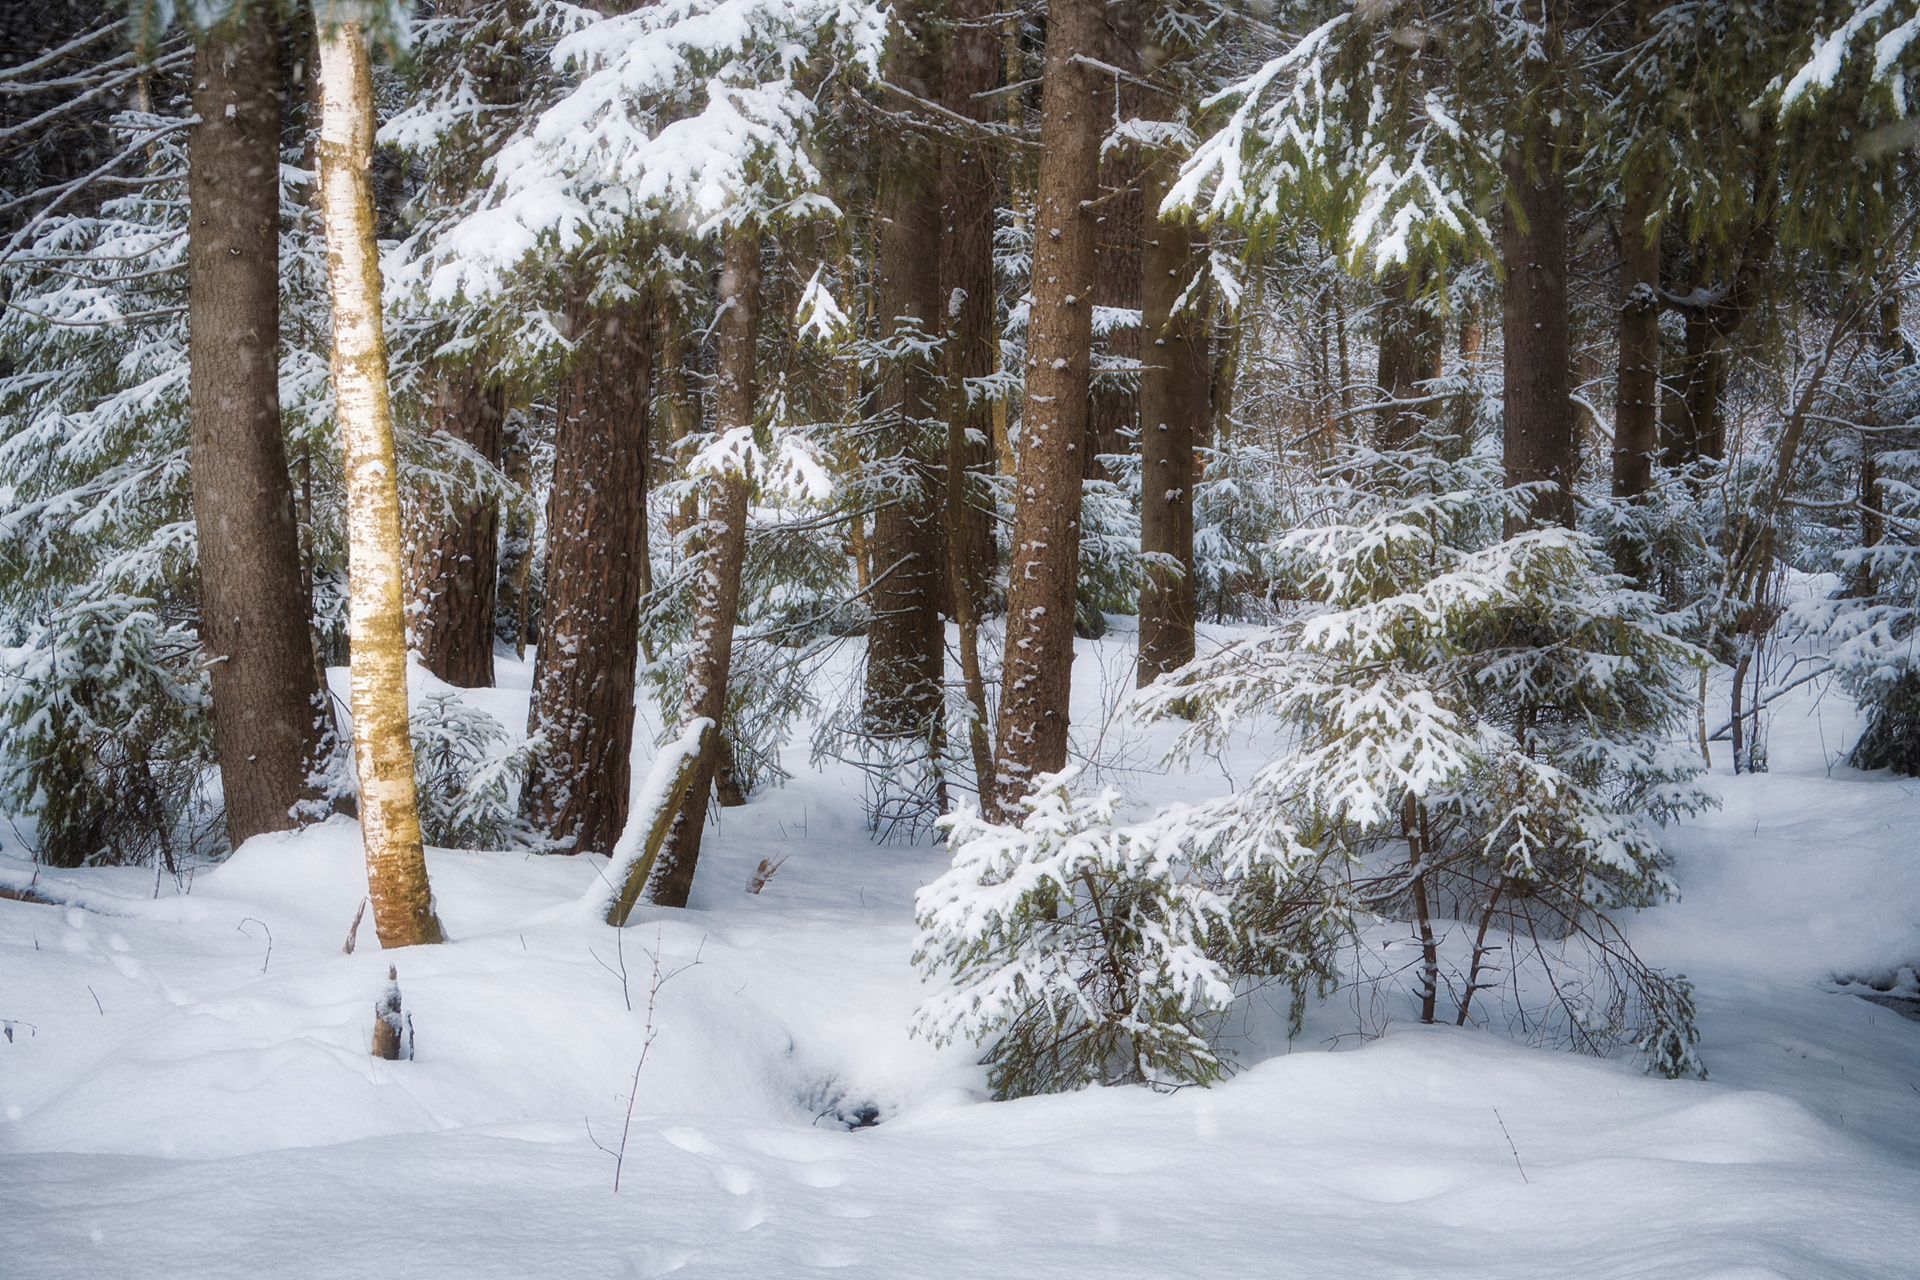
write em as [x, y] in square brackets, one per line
[382, 751]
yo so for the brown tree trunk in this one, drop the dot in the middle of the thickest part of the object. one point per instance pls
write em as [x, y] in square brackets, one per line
[1540, 439]
[1636, 414]
[1410, 352]
[452, 558]
[254, 609]
[1173, 403]
[972, 68]
[722, 544]
[905, 648]
[1037, 674]
[583, 678]
[403, 911]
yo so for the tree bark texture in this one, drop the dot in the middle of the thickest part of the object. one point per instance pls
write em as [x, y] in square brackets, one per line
[1636, 415]
[452, 557]
[1540, 442]
[1173, 409]
[721, 542]
[1410, 354]
[905, 644]
[1036, 675]
[972, 68]
[254, 604]
[583, 677]
[403, 911]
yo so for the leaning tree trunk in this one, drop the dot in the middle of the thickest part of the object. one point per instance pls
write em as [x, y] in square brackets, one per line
[721, 545]
[1173, 406]
[452, 559]
[1036, 676]
[383, 753]
[267, 703]
[1636, 414]
[1540, 439]
[583, 678]
[905, 649]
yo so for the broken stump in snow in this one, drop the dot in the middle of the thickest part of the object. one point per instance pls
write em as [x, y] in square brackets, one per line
[392, 1029]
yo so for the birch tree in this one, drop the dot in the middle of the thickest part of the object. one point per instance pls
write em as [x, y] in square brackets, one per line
[403, 911]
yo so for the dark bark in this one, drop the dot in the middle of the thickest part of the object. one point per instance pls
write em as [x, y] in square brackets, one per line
[583, 680]
[1173, 407]
[1410, 353]
[1540, 439]
[1636, 415]
[1038, 670]
[721, 542]
[452, 558]
[971, 68]
[905, 649]
[254, 609]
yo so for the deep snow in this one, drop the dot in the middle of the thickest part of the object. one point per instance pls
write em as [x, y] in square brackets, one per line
[179, 1102]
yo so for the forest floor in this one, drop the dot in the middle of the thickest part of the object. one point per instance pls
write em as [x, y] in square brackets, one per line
[179, 1100]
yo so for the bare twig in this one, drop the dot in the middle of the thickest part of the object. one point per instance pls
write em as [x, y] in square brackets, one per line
[242, 928]
[353, 930]
[1516, 1151]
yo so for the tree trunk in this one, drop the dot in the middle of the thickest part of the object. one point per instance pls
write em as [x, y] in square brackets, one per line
[1540, 439]
[583, 676]
[403, 911]
[1410, 351]
[972, 68]
[722, 545]
[1038, 669]
[452, 558]
[267, 703]
[1636, 415]
[905, 648]
[1173, 403]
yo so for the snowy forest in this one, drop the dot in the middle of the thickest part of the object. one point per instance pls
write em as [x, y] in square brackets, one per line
[932, 638]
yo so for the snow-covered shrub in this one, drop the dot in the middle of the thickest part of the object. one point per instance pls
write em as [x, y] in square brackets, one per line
[1482, 724]
[1083, 951]
[1239, 499]
[468, 771]
[1872, 623]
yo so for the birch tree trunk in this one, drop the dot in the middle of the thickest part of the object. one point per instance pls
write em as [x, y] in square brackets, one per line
[722, 543]
[1038, 669]
[254, 601]
[403, 911]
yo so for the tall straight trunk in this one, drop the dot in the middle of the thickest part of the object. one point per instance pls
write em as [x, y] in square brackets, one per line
[254, 604]
[1540, 439]
[403, 911]
[452, 558]
[583, 675]
[1636, 414]
[1410, 353]
[1173, 406]
[721, 542]
[905, 649]
[1037, 674]
[972, 68]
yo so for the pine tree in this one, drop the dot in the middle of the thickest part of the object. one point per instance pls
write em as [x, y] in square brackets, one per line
[1037, 674]
[265, 693]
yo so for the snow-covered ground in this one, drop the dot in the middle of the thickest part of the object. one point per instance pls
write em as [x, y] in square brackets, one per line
[177, 1100]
